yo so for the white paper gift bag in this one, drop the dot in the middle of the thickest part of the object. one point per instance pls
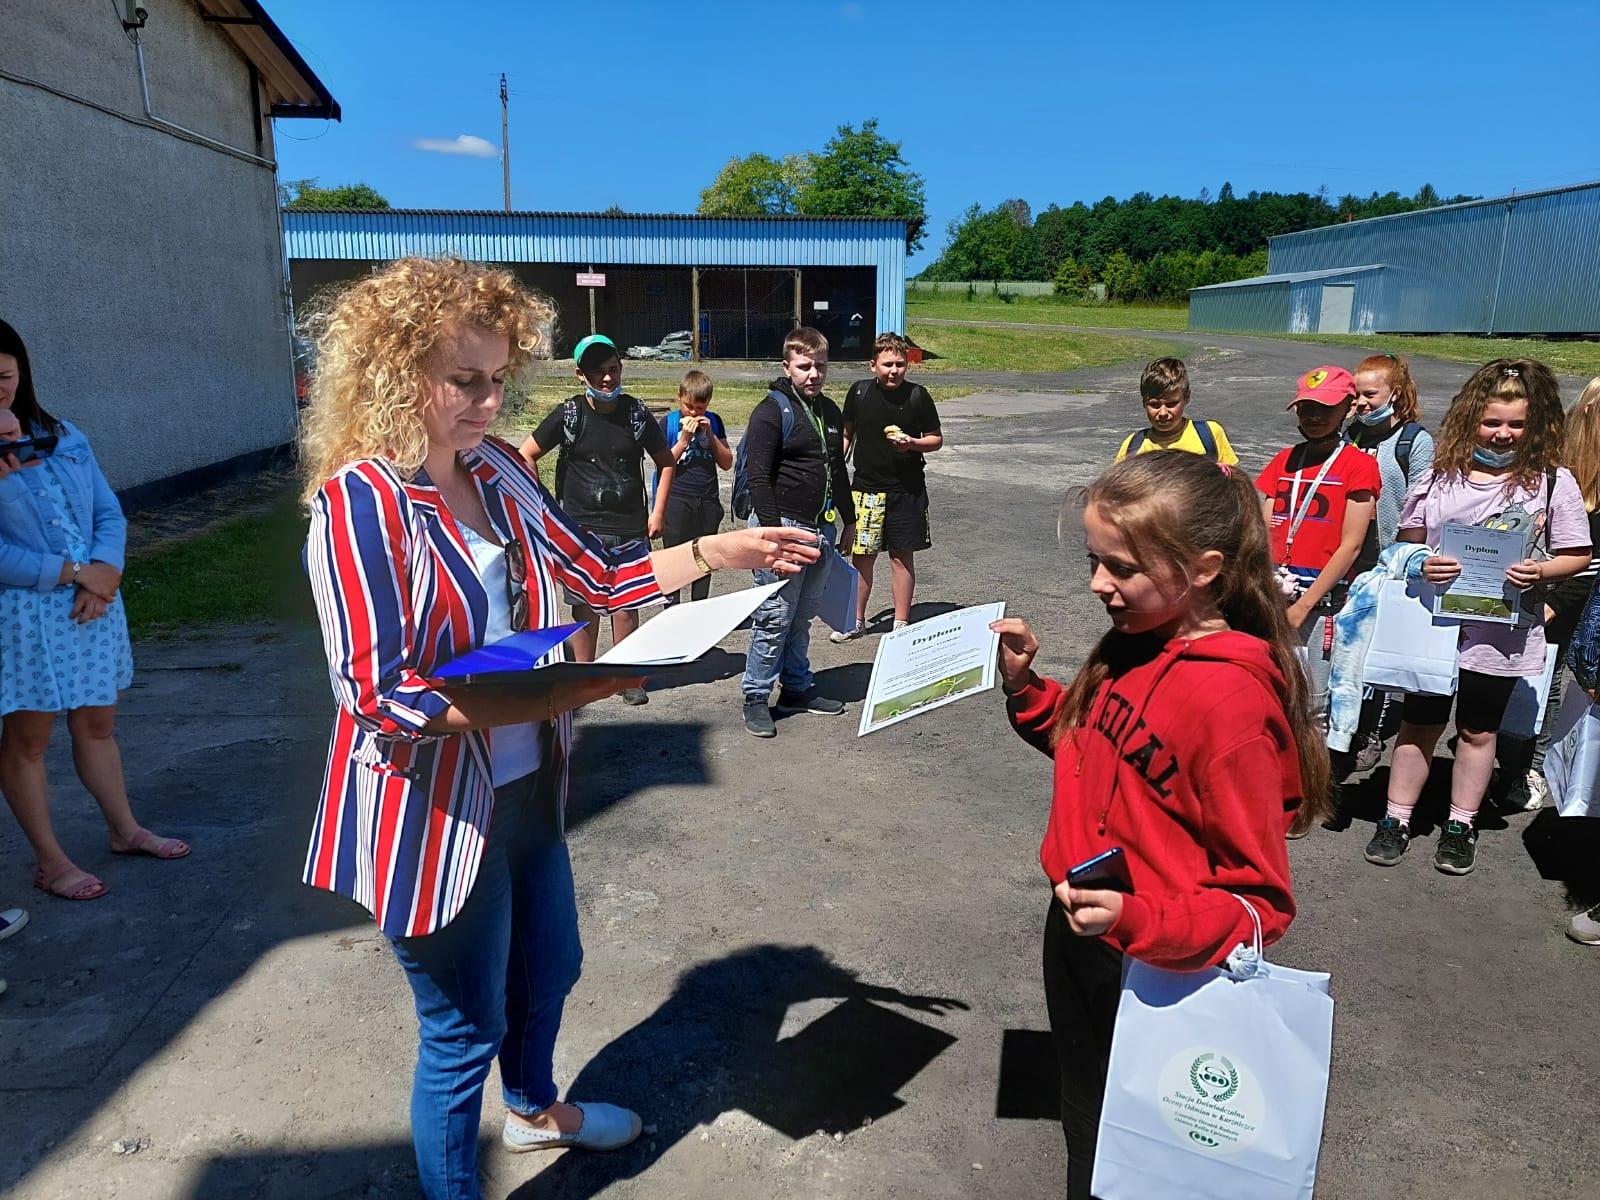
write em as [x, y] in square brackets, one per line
[1410, 649]
[1218, 1082]
[1573, 762]
[1525, 711]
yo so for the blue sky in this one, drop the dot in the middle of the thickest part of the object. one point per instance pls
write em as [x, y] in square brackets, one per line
[640, 104]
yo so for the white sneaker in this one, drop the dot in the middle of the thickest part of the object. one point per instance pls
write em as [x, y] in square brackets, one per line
[901, 624]
[1585, 927]
[1528, 793]
[839, 639]
[605, 1127]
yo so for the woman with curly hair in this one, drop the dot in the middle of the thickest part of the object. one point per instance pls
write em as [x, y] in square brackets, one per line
[442, 811]
[63, 634]
[1496, 466]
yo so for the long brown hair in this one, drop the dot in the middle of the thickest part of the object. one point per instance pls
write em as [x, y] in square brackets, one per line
[1507, 380]
[1398, 376]
[1174, 507]
[1582, 453]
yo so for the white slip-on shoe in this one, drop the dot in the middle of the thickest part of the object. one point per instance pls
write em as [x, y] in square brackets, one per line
[12, 921]
[605, 1127]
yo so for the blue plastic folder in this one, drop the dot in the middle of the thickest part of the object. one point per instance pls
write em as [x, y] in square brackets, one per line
[513, 664]
[516, 654]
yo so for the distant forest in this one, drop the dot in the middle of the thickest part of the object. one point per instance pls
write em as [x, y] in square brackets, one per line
[1146, 248]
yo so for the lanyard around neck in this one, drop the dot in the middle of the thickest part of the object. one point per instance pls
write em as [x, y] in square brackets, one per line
[1298, 509]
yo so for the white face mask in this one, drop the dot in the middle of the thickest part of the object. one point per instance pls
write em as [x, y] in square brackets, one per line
[1378, 415]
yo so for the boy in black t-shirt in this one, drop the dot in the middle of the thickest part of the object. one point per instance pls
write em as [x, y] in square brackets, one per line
[598, 481]
[891, 423]
[687, 501]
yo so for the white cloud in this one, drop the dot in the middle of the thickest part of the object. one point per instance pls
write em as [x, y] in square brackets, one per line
[463, 143]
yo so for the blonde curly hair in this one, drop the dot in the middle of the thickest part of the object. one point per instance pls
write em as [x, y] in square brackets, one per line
[374, 340]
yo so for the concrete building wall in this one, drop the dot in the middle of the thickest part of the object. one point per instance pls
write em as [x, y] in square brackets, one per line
[145, 271]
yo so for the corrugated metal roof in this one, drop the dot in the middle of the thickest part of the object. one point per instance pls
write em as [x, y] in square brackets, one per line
[1290, 277]
[1514, 197]
[608, 216]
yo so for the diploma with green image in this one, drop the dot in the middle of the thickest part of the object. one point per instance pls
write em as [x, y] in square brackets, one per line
[1481, 592]
[930, 664]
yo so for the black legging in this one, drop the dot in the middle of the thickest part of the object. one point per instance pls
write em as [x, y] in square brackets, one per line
[1082, 985]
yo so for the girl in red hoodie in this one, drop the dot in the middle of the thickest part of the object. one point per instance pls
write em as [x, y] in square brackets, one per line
[1185, 740]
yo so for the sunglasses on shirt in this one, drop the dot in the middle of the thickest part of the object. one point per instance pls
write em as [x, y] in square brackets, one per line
[517, 585]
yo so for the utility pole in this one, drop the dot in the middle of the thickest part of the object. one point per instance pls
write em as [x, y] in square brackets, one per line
[505, 143]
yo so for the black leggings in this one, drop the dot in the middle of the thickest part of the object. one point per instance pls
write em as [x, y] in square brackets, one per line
[1082, 986]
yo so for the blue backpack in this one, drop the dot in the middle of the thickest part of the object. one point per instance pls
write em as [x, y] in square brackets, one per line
[743, 505]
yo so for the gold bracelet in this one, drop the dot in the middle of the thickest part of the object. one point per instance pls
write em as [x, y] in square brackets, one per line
[699, 559]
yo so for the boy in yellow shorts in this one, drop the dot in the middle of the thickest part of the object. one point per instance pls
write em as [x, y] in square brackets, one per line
[891, 423]
[1164, 388]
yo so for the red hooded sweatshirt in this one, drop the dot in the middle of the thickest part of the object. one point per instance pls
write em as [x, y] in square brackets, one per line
[1187, 762]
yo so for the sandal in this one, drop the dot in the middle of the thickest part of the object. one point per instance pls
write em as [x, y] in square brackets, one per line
[84, 887]
[145, 842]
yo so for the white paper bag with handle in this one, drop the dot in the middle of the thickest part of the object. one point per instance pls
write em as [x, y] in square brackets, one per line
[1218, 1082]
[1573, 762]
[1411, 650]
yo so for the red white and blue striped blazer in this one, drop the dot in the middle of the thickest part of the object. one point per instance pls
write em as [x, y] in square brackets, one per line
[403, 815]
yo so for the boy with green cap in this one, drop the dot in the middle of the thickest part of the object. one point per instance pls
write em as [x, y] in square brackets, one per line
[599, 484]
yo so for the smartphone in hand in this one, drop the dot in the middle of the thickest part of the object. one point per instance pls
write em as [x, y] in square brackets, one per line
[28, 449]
[1107, 871]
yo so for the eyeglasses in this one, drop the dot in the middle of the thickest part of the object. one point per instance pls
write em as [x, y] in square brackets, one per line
[517, 585]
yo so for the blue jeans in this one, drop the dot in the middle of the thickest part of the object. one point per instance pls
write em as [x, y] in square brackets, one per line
[780, 631]
[492, 982]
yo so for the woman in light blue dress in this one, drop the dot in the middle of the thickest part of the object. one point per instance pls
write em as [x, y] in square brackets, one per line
[63, 633]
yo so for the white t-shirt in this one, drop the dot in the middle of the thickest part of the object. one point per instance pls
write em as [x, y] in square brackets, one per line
[514, 750]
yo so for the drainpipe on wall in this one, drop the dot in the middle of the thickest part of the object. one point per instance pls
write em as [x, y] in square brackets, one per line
[131, 26]
[1500, 269]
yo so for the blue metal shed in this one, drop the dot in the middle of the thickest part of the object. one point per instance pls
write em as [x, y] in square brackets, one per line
[737, 283]
[1339, 301]
[1515, 264]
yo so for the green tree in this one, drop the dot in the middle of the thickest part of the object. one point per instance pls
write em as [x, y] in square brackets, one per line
[304, 193]
[860, 173]
[756, 185]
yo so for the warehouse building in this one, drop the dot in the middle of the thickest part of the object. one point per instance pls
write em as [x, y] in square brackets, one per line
[1519, 264]
[736, 285]
[143, 259]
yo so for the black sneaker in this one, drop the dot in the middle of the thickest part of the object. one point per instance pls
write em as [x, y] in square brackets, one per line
[1458, 847]
[808, 702]
[758, 719]
[1389, 843]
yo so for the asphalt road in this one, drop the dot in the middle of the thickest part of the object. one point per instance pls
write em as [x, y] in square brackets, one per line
[804, 956]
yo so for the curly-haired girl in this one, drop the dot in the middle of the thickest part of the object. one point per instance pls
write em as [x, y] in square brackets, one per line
[1496, 464]
[442, 811]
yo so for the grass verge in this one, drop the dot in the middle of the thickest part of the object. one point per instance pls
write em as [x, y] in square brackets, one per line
[243, 571]
[1046, 310]
[1029, 351]
[1564, 357]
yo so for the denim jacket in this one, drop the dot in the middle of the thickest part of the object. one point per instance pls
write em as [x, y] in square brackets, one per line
[33, 540]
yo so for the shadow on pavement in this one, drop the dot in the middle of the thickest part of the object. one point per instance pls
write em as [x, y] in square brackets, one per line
[99, 990]
[377, 1171]
[1030, 1080]
[847, 683]
[698, 1056]
[1566, 849]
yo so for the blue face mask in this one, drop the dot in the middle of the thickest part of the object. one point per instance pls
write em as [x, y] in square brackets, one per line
[1377, 416]
[1496, 459]
[600, 397]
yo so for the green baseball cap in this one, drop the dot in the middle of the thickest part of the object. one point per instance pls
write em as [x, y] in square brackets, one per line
[589, 343]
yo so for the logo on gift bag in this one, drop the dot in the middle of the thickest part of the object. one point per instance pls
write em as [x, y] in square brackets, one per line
[1213, 1077]
[1211, 1100]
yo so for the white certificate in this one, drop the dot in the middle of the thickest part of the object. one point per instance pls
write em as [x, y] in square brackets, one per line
[1481, 592]
[930, 664]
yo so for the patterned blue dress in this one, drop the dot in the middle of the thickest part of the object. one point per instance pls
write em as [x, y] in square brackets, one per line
[48, 662]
